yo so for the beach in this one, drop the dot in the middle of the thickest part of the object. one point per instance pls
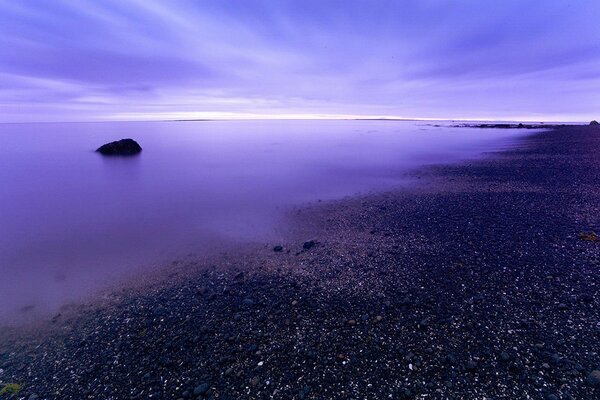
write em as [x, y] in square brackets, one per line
[480, 282]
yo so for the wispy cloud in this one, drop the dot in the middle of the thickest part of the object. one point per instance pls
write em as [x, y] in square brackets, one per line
[72, 60]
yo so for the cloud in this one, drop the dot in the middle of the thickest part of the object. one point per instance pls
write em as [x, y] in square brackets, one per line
[72, 60]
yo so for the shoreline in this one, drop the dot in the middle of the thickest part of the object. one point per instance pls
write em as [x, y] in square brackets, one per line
[475, 285]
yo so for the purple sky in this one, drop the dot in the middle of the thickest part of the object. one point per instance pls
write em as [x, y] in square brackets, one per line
[139, 59]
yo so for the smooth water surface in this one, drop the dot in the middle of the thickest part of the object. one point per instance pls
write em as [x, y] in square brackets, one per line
[72, 221]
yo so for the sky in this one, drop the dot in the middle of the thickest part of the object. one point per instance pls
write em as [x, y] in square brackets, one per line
[142, 60]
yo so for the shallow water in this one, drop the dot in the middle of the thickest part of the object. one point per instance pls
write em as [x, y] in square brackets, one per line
[72, 221]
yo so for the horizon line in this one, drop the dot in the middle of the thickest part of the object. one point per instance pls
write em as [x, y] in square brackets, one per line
[195, 117]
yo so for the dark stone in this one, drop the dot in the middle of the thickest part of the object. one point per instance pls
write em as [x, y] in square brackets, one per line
[278, 248]
[593, 379]
[308, 245]
[159, 311]
[594, 122]
[471, 365]
[450, 359]
[201, 389]
[123, 147]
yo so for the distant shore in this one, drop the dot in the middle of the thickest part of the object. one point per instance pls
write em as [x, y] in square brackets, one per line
[480, 283]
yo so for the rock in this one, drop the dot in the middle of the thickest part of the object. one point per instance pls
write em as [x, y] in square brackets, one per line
[450, 359]
[424, 323]
[589, 236]
[159, 311]
[504, 356]
[201, 389]
[33, 396]
[352, 322]
[471, 365]
[551, 397]
[278, 249]
[308, 245]
[248, 302]
[123, 147]
[520, 126]
[593, 379]
[594, 122]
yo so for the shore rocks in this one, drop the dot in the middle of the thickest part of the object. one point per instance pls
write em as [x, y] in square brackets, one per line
[594, 122]
[123, 147]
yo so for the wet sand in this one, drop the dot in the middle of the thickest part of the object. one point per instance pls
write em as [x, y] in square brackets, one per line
[476, 284]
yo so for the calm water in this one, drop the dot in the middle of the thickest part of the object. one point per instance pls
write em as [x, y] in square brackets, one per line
[72, 221]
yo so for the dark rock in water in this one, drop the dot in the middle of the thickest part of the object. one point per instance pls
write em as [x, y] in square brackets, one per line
[593, 379]
[520, 126]
[123, 147]
[594, 122]
[278, 248]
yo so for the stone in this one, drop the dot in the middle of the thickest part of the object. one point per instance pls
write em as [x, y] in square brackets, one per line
[594, 122]
[123, 147]
[593, 379]
[278, 249]
[471, 365]
[309, 244]
[201, 389]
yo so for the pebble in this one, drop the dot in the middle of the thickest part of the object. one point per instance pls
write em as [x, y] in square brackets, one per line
[248, 302]
[201, 389]
[471, 365]
[309, 244]
[593, 379]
